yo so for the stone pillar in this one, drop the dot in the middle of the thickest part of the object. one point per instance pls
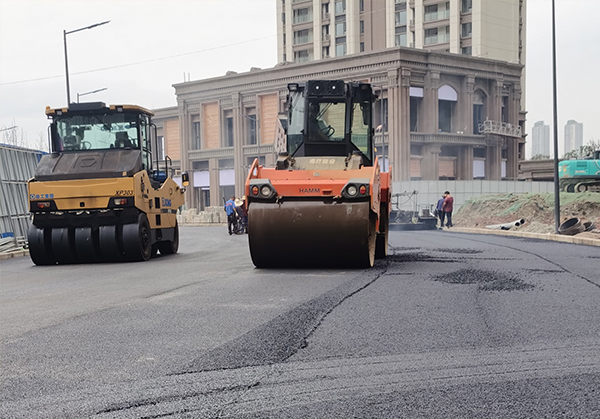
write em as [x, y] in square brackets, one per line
[465, 104]
[430, 163]
[493, 162]
[464, 164]
[215, 185]
[184, 141]
[430, 102]
[512, 155]
[238, 144]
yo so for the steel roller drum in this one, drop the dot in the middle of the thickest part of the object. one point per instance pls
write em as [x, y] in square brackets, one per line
[311, 234]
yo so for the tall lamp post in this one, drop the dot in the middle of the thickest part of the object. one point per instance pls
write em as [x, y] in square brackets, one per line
[89, 93]
[65, 33]
[555, 117]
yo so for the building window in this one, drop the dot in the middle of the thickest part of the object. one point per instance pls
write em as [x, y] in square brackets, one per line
[362, 47]
[447, 98]
[160, 147]
[466, 50]
[401, 37]
[303, 56]
[466, 6]
[361, 6]
[325, 52]
[251, 129]
[302, 37]
[466, 29]
[196, 140]
[340, 46]
[431, 36]
[303, 15]
[380, 115]
[340, 7]
[340, 29]
[229, 132]
[362, 26]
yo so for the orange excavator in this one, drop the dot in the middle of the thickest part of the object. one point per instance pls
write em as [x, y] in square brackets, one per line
[326, 203]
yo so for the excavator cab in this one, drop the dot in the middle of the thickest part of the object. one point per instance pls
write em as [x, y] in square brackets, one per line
[330, 118]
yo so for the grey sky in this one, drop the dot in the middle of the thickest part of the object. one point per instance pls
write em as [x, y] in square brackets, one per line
[149, 45]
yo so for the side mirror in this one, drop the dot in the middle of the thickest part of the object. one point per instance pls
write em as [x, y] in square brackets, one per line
[185, 179]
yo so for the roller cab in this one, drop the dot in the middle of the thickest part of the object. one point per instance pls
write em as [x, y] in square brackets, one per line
[326, 201]
[100, 195]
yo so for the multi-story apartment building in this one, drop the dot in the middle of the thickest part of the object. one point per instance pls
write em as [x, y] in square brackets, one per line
[540, 142]
[315, 29]
[439, 116]
[573, 138]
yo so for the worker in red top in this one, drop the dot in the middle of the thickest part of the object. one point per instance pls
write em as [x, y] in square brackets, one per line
[447, 207]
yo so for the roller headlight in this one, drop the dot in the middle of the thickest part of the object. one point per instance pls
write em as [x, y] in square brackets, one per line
[352, 190]
[265, 191]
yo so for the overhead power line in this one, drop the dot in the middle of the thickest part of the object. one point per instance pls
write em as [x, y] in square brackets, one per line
[139, 62]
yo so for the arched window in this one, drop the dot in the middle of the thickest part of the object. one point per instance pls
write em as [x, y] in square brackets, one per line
[447, 98]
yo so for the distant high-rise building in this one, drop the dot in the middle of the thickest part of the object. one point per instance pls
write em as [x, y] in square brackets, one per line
[573, 135]
[540, 142]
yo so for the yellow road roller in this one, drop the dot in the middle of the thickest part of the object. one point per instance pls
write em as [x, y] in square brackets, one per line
[101, 195]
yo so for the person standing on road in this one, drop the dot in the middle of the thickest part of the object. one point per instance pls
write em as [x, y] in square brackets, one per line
[447, 208]
[231, 214]
[440, 211]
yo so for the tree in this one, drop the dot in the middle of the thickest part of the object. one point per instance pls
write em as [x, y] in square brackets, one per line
[13, 136]
[586, 150]
[540, 157]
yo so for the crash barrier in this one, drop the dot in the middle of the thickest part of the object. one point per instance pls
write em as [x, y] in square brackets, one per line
[17, 165]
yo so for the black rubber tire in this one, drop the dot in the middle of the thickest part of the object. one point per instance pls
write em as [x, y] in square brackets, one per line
[63, 245]
[581, 187]
[84, 245]
[169, 247]
[137, 240]
[571, 227]
[109, 244]
[381, 245]
[40, 248]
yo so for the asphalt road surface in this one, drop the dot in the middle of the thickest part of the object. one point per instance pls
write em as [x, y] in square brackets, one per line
[450, 325]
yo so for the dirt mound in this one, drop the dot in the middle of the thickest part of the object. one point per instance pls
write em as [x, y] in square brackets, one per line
[536, 209]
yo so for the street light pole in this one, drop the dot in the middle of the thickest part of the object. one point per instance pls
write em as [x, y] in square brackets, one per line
[555, 116]
[65, 33]
[89, 93]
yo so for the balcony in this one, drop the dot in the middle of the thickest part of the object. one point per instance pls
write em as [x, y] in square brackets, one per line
[439, 15]
[438, 39]
[302, 19]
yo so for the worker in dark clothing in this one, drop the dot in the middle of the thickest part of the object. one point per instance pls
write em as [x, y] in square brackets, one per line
[447, 208]
[439, 210]
[231, 214]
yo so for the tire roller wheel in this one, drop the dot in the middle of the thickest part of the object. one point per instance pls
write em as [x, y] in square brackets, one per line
[311, 234]
[137, 242]
[63, 245]
[381, 245]
[84, 245]
[40, 247]
[170, 247]
[109, 244]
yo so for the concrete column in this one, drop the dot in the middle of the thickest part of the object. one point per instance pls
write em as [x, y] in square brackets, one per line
[464, 164]
[184, 141]
[465, 105]
[238, 144]
[512, 163]
[430, 102]
[213, 167]
[493, 163]
[430, 163]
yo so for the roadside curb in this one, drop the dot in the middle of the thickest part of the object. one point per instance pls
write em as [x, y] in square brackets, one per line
[14, 254]
[550, 237]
